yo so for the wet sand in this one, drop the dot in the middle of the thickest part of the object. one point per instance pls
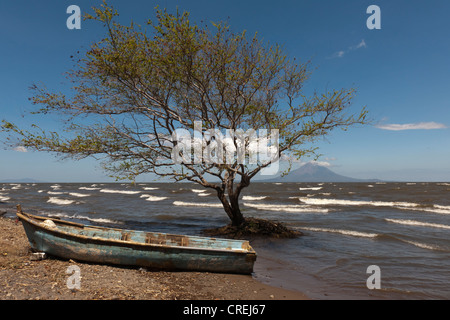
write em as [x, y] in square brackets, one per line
[24, 279]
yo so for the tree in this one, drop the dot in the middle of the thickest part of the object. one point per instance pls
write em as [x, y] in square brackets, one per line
[136, 89]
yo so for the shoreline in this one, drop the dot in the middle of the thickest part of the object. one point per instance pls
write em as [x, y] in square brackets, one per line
[23, 279]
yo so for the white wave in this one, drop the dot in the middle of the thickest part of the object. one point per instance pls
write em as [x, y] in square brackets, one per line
[443, 184]
[324, 202]
[40, 191]
[395, 204]
[286, 208]
[149, 197]
[442, 207]
[370, 185]
[344, 232]
[80, 217]
[88, 189]
[55, 186]
[55, 193]
[151, 188]
[251, 198]
[4, 199]
[64, 202]
[424, 245]
[435, 209]
[98, 220]
[410, 183]
[79, 195]
[119, 191]
[16, 187]
[418, 223]
[196, 204]
[203, 194]
[198, 190]
[278, 183]
[310, 188]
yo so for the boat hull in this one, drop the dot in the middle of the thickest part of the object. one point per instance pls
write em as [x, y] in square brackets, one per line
[75, 245]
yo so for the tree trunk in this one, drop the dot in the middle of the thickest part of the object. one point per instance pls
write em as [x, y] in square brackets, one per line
[238, 217]
[231, 207]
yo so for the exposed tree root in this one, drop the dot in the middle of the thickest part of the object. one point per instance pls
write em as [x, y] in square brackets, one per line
[253, 227]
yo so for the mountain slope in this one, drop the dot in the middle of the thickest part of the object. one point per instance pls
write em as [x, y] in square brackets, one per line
[312, 172]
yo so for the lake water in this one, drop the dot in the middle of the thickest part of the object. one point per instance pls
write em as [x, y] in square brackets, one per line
[402, 228]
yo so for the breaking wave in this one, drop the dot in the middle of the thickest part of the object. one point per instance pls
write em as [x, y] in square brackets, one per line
[149, 197]
[87, 188]
[119, 191]
[196, 204]
[344, 232]
[198, 190]
[398, 205]
[58, 201]
[286, 208]
[250, 198]
[81, 217]
[418, 223]
[310, 188]
[425, 245]
[55, 192]
[79, 195]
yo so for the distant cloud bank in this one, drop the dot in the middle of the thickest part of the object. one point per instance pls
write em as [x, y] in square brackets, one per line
[412, 126]
[20, 149]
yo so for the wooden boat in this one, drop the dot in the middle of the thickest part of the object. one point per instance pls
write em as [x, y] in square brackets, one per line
[70, 240]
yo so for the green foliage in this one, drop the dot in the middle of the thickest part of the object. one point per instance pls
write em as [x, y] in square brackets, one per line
[133, 88]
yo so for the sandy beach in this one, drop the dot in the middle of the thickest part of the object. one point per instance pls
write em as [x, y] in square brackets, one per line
[23, 279]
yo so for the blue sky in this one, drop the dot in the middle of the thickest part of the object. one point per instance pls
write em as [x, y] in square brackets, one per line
[401, 72]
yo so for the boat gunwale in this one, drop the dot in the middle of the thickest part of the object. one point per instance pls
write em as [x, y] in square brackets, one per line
[33, 220]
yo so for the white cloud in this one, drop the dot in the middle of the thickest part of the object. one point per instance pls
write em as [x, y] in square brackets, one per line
[20, 149]
[322, 163]
[342, 53]
[300, 162]
[412, 126]
[362, 44]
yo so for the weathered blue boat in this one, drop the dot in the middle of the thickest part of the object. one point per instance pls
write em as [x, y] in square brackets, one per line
[70, 240]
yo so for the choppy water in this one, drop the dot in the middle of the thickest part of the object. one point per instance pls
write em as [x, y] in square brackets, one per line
[403, 228]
